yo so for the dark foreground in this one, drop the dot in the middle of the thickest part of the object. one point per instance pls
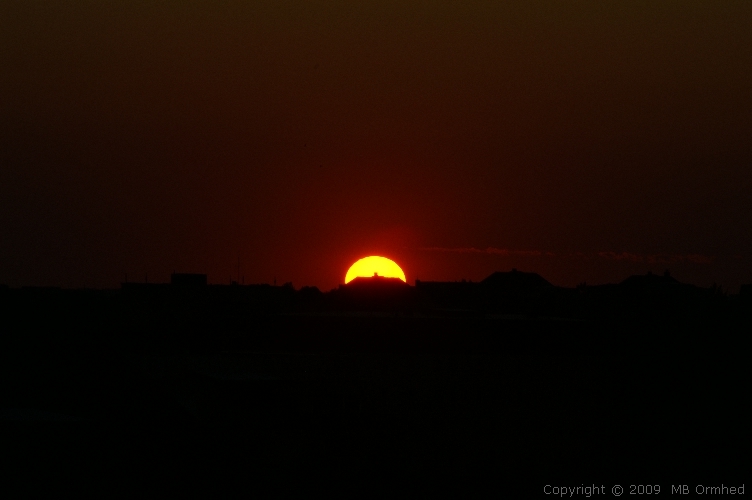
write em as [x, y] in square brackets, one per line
[506, 403]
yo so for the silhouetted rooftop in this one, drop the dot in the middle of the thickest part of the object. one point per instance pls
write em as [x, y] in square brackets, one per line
[187, 279]
[515, 279]
[375, 281]
[649, 280]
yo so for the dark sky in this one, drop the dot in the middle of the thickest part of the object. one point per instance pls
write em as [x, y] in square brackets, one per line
[585, 141]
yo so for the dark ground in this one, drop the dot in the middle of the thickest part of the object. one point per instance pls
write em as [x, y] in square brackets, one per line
[509, 402]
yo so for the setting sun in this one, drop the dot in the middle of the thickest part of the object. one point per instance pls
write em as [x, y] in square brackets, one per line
[369, 266]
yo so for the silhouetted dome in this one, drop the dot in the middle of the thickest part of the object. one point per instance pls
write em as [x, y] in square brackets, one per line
[649, 280]
[310, 291]
[515, 280]
[376, 281]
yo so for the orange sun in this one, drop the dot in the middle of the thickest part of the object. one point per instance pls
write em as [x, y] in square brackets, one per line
[368, 266]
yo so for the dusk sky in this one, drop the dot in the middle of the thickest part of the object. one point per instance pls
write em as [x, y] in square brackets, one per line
[585, 141]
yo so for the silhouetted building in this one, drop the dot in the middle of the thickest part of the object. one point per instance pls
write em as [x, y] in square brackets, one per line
[646, 296]
[517, 292]
[515, 281]
[513, 292]
[188, 279]
[374, 293]
[649, 280]
[375, 282]
[448, 297]
[309, 298]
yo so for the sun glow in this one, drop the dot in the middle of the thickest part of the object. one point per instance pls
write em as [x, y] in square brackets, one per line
[369, 266]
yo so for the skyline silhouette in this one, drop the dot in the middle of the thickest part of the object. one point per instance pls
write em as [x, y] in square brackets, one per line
[642, 297]
[460, 377]
[565, 185]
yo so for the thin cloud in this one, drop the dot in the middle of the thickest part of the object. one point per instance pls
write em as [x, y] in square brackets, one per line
[615, 256]
[490, 250]
[660, 258]
[700, 259]
[627, 256]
